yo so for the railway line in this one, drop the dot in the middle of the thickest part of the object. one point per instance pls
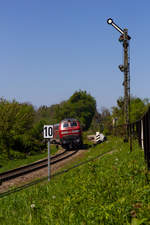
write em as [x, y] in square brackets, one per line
[11, 174]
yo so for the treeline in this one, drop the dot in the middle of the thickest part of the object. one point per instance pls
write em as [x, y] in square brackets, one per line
[21, 125]
[105, 119]
[19, 133]
[137, 109]
[80, 105]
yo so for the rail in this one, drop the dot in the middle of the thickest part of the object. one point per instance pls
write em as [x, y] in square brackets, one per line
[11, 174]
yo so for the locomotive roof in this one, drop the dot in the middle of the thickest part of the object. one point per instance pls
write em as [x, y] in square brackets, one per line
[69, 119]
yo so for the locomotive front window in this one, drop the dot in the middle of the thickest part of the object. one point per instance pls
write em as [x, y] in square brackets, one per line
[69, 124]
[73, 124]
[65, 125]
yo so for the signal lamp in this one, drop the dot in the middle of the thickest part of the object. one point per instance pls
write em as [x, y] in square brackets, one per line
[121, 67]
[109, 21]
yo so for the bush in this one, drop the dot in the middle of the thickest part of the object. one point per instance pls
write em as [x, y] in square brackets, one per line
[18, 131]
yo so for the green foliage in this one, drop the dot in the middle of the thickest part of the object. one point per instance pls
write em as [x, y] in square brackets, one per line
[102, 122]
[112, 190]
[15, 120]
[81, 106]
[21, 126]
[17, 129]
[106, 119]
[137, 108]
[47, 114]
[96, 122]
[118, 111]
[32, 140]
[20, 159]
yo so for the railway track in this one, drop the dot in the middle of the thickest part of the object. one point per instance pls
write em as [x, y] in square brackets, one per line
[11, 174]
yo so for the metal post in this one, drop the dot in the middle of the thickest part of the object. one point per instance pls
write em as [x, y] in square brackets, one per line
[48, 159]
[142, 136]
[125, 68]
[126, 84]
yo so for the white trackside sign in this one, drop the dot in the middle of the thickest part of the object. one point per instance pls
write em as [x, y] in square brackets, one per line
[48, 131]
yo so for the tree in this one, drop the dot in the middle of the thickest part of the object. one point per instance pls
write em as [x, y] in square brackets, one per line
[137, 108]
[96, 124]
[106, 120]
[15, 121]
[46, 113]
[81, 106]
[118, 111]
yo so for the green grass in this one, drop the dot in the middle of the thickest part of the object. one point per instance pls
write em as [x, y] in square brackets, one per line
[11, 164]
[110, 190]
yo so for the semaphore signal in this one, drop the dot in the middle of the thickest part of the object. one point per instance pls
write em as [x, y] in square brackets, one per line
[124, 38]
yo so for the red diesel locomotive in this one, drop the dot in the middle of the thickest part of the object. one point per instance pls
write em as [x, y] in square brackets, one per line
[68, 133]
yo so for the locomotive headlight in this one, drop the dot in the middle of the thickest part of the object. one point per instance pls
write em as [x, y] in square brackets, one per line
[65, 132]
[110, 21]
[75, 131]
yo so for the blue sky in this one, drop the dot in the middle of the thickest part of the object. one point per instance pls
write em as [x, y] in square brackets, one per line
[49, 49]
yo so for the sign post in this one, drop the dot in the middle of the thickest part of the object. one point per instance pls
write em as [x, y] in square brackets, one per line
[48, 134]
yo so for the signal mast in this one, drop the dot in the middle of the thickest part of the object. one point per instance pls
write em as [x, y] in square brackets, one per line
[124, 38]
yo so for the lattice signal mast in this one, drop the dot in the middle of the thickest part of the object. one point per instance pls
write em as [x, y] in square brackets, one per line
[124, 38]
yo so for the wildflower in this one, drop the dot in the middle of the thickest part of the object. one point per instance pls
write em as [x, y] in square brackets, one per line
[53, 196]
[137, 205]
[133, 213]
[116, 159]
[32, 206]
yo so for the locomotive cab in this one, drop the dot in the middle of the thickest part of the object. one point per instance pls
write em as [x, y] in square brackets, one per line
[70, 133]
[55, 139]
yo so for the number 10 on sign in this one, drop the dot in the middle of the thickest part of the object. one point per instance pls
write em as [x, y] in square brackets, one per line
[48, 131]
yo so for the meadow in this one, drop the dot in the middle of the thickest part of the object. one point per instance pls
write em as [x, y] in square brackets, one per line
[113, 189]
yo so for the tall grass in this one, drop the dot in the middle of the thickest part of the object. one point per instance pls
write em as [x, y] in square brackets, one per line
[111, 190]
